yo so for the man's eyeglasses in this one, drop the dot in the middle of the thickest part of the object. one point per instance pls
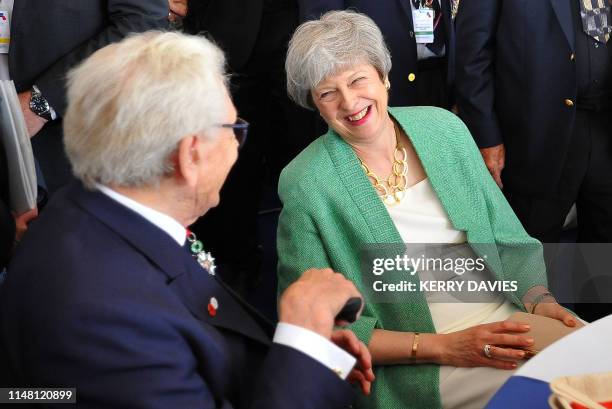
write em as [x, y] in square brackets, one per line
[241, 128]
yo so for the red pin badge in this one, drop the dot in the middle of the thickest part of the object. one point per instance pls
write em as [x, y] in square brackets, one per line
[213, 305]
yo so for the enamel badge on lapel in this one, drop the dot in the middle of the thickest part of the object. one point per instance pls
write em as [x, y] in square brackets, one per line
[204, 258]
[213, 305]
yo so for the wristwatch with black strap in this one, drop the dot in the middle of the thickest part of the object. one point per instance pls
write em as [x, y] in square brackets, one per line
[40, 106]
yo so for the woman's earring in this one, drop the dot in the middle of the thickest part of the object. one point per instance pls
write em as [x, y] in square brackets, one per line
[387, 84]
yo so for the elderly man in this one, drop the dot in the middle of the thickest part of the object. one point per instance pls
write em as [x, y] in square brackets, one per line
[103, 296]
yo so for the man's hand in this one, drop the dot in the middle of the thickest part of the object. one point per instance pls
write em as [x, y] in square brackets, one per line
[21, 222]
[495, 159]
[362, 373]
[34, 123]
[178, 9]
[313, 301]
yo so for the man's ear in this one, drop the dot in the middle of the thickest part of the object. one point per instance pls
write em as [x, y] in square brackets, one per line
[188, 159]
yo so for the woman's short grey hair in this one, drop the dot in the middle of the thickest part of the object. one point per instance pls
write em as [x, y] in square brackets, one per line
[130, 103]
[338, 40]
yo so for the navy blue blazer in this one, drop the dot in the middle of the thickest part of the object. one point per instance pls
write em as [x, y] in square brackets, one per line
[515, 69]
[394, 18]
[100, 299]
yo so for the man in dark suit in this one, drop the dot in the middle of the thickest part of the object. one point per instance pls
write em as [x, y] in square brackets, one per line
[48, 37]
[423, 69]
[120, 301]
[534, 85]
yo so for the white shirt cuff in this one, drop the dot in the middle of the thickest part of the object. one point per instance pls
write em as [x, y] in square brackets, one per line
[316, 347]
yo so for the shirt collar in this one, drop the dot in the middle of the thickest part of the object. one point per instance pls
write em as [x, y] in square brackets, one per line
[169, 225]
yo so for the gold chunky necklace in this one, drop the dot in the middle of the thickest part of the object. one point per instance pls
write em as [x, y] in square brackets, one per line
[396, 183]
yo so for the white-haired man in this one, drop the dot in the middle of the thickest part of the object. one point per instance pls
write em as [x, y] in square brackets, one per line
[103, 297]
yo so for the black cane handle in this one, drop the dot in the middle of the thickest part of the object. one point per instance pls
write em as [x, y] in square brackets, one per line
[350, 310]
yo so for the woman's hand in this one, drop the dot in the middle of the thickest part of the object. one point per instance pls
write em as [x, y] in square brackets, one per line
[556, 311]
[466, 348]
[362, 373]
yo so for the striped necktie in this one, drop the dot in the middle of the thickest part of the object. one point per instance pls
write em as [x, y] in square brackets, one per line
[597, 18]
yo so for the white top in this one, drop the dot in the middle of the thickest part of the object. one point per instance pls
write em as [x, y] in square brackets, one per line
[305, 341]
[420, 218]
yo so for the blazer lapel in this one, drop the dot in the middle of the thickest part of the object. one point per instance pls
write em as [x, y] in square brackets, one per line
[405, 6]
[435, 168]
[563, 11]
[191, 283]
[361, 191]
[197, 289]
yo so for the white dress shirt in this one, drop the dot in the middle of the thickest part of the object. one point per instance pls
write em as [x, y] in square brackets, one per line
[301, 339]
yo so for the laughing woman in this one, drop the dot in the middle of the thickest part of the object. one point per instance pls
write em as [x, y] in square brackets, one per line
[402, 175]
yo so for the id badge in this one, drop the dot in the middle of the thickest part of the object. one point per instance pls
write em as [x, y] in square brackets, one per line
[423, 20]
[5, 32]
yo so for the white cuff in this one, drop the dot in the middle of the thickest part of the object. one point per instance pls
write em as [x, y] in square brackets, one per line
[316, 347]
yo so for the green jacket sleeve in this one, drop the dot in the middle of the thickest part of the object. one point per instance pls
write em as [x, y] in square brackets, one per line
[521, 255]
[300, 248]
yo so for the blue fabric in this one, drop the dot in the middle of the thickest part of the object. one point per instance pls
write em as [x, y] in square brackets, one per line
[113, 306]
[521, 392]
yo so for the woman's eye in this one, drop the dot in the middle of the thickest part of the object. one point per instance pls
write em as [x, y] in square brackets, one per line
[326, 94]
[358, 80]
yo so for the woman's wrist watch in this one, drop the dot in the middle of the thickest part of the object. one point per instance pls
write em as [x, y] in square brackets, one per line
[40, 106]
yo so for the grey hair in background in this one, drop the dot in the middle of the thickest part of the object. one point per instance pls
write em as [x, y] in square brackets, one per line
[319, 48]
[130, 103]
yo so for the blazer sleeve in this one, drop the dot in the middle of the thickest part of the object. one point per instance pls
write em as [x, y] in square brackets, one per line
[299, 244]
[124, 17]
[313, 9]
[521, 256]
[300, 248]
[476, 26]
[291, 379]
[137, 357]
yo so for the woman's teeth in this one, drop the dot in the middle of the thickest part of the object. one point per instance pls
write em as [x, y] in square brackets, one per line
[358, 116]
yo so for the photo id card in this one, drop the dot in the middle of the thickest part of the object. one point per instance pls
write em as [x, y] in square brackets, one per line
[423, 20]
[5, 32]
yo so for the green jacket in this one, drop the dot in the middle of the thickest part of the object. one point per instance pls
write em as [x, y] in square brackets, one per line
[331, 210]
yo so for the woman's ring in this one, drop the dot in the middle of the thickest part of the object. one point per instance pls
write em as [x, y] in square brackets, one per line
[487, 350]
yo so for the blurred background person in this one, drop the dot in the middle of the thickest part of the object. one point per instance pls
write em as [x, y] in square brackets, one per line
[48, 37]
[254, 35]
[391, 176]
[534, 86]
[12, 226]
[423, 66]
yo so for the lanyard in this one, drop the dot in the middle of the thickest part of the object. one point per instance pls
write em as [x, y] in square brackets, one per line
[423, 3]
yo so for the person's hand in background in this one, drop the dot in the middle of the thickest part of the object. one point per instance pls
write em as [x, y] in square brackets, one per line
[34, 123]
[178, 9]
[495, 159]
[21, 223]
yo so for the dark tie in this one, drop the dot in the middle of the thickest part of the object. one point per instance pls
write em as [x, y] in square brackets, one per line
[597, 18]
